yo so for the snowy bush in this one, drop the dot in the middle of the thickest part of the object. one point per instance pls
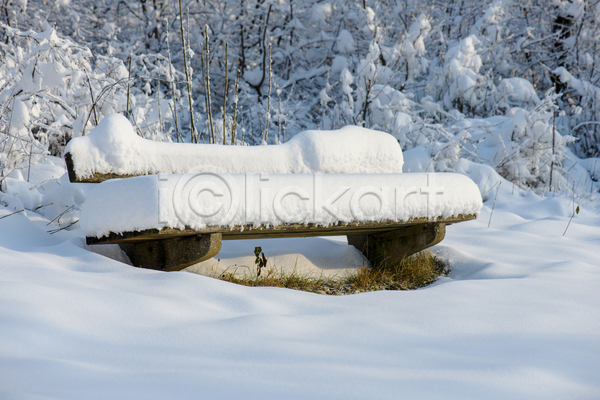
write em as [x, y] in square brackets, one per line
[534, 148]
[52, 90]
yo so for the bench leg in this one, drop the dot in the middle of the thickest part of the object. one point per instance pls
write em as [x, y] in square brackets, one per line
[173, 254]
[391, 247]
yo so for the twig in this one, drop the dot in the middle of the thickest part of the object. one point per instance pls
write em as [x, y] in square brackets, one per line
[225, 99]
[264, 53]
[128, 86]
[29, 167]
[92, 96]
[268, 98]
[10, 125]
[494, 204]
[553, 140]
[249, 110]
[210, 118]
[235, 110]
[187, 76]
[283, 130]
[60, 215]
[139, 130]
[53, 231]
[279, 117]
[204, 85]
[56, 100]
[174, 108]
[242, 121]
[42, 205]
[575, 210]
[161, 127]
[104, 90]
[13, 213]
[585, 123]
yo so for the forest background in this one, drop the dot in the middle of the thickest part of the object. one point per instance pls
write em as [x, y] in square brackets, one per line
[512, 85]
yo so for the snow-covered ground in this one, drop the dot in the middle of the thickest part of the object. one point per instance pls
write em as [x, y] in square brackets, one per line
[518, 317]
[470, 88]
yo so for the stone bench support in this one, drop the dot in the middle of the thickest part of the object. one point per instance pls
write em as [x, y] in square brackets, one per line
[173, 254]
[391, 247]
[173, 250]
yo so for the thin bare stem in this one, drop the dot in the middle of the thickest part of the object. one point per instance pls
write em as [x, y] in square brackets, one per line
[104, 91]
[283, 129]
[225, 100]
[553, 151]
[264, 54]
[128, 89]
[160, 119]
[13, 213]
[235, 110]
[242, 121]
[249, 110]
[29, 167]
[92, 96]
[279, 117]
[268, 98]
[210, 117]
[187, 77]
[575, 210]
[57, 218]
[14, 99]
[204, 86]
[172, 72]
[494, 205]
[53, 231]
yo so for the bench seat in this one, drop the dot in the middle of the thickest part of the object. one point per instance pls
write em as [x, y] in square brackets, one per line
[396, 215]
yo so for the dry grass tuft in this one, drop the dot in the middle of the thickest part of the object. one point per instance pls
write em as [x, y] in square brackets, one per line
[413, 272]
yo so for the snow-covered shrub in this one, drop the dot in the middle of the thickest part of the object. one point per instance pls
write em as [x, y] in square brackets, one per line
[312, 42]
[523, 146]
[55, 88]
[516, 92]
[584, 116]
[461, 86]
[52, 89]
[407, 58]
[19, 146]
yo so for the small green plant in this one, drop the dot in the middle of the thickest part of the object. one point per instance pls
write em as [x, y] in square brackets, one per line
[261, 260]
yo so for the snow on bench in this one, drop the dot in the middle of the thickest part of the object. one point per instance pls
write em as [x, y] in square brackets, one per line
[345, 182]
[114, 150]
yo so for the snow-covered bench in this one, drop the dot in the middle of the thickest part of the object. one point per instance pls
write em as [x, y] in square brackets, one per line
[345, 182]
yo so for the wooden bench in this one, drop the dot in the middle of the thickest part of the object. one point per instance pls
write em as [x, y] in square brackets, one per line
[174, 246]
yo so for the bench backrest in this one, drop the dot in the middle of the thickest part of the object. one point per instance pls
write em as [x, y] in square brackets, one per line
[114, 150]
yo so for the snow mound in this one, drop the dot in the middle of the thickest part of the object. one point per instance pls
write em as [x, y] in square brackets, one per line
[519, 91]
[206, 199]
[114, 147]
